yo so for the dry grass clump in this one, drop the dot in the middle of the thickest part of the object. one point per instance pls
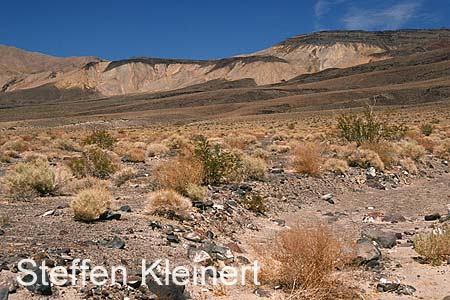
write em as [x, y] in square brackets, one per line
[169, 204]
[176, 141]
[443, 149]
[94, 162]
[435, 245]
[387, 152]
[303, 260]
[67, 145]
[196, 192]
[178, 173]
[124, 175]
[307, 159]
[78, 184]
[240, 141]
[30, 179]
[253, 167]
[336, 165]
[4, 219]
[365, 158]
[157, 150]
[17, 145]
[409, 165]
[90, 203]
[277, 148]
[136, 155]
[412, 150]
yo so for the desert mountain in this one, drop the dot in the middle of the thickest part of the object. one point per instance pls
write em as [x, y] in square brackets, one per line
[296, 56]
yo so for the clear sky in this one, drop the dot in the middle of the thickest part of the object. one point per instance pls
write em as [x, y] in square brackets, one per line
[197, 29]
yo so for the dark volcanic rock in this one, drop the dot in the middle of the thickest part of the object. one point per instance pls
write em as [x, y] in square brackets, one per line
[42, 284]
[367, 251]
[384, 239]
[4, 292]
[2, 232]
[125, 208]
[432, 217]
[173, 238]
[110, 215]
[117, 243]
[169, 291]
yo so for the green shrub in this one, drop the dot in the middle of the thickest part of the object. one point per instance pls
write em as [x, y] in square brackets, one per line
[101, 138]
[427, 129]
[93, 162]
[253, 202]
[368, 128]
[35, 178]
[219, 165]
[196, 192]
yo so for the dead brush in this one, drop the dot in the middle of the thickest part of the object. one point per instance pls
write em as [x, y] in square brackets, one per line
[303, 261]
[434, 246]
[307, 159]
[168, 204]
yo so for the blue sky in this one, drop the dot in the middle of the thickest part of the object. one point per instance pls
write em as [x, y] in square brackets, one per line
[196, 29]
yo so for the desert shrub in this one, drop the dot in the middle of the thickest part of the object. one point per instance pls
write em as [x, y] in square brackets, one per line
[443, 149]
[253, 167]
[30, 179]
[101, 138]
[67, 145]
[7, 156]
[176, 141]
[278, 148]
[240, 141]
[124, 175]
[18, 145]
[253, 202]
[366, 158]
[302, 261]
[196, 192]
[178, 173]
[78, 184]
[427, 129]
[385, 150]
[409, 165]
[412, 150]
[261, 153]
[157, 150]
[169, 204]
[4, 219]
[434, 246]
[94, 162]
[336, 165]
[136, 155]
[90, 203]
[219, 165]
[367, 128]
[307, 159]
[427, 143]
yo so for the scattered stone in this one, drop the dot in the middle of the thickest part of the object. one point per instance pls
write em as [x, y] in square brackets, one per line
[203, 205]
[173, 238]
[48, 213]
[433, 217]
[155, 225]
[4, 292]
[406, 290]
[367, 251]
[393, 218]
[328, 198]
[446, 298]
[125, 208]
[2, 232]
[42, 282]
[169, 291]
[199, 256]
[371, 173]
[110, 215]
[276, 170]
[384, 239]
[134, 281]
[279, 222]
[222, 253]
[387, 287]
[210, 235]
[261, 293]
[116, 243]
[243, 260]
[193, 237]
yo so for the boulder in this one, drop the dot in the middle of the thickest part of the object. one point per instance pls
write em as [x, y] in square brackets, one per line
[42, 283]
[383, 238]
[366, 251]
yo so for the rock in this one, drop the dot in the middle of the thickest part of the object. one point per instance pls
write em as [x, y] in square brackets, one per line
[125, 208]
[432, 217]
[261, 293]
[169, 291]
[328, 198]
[134, 281]
[243, 260]
[371, 173]
[193, 237]
[173, 238]
[384, 239]
[367, 251]
[110, 215]
[393, 218]
[279, 222]
[203, 205]
[210, 235]
[446, 298]
[406, 290]
[42, 284]
[199, 256]
[276, 170]
[155, 225]
[2, 232]
[48, 213]
[116, 243]
[4, 292]
[222, 253]
[387, 287]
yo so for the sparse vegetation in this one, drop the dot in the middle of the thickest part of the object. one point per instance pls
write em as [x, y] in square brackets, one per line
[90, 203]
[94, 162]
[169, 204]
[253, 167]
[336, 165]
[308, 159]
[253, 202]
[365, 158]
[157, 150]
[427, 129]
[101, 138]
[124, 175]
[435, 245]
[196, 192]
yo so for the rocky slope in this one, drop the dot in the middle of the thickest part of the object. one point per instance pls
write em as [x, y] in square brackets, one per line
[302, 54]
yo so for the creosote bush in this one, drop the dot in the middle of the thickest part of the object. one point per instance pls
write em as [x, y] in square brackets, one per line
[307, 159]
[434, 246]
[253, 167]
[90, 203]
[35, 178]
[101, 138]
[94, 162]
[196, 192]
[302, 260]
[168, 204]
[219, 165]
[368, 128]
